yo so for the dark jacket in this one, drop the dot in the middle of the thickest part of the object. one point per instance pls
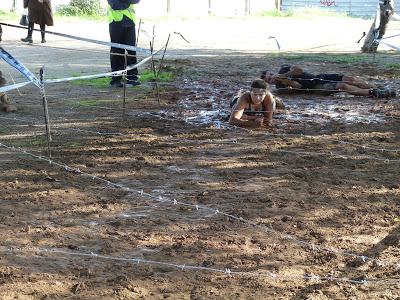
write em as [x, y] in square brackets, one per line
[39, 13]
[121, 4]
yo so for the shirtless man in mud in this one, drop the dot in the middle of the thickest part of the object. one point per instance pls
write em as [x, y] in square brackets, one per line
[5, 103]
[254, 108]
[294, 78]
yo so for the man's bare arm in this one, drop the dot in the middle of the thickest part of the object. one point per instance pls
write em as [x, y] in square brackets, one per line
[287, 82]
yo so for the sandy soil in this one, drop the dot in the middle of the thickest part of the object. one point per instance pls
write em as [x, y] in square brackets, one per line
[326, 177]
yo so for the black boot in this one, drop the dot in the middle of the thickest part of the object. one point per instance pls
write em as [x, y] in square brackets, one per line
[28, 39]
[43, 28]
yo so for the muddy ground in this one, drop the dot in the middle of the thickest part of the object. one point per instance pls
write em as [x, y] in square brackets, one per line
[325, 177]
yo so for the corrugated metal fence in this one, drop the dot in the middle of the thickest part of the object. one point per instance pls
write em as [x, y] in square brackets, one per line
[361, 8]
[231, 7]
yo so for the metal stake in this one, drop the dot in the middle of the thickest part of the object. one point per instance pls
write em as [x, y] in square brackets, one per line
[124, 81]
[138, 32]
[155, 74]
[45, 110]
[162, 58]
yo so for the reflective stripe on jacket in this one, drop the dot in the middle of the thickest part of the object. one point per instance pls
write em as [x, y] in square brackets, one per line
[118, 15]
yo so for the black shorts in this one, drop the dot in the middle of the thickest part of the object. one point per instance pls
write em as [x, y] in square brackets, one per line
[329, 77]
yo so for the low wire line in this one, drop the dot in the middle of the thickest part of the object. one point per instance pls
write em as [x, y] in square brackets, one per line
[331, 154]
[182, 267]
[69, 36]
[35, 123]
[161, 199]
[15, 86]
[369, 148]
[337, 155]
[114, 73]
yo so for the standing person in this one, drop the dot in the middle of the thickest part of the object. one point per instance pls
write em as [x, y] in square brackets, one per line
[254, 108]
[39, 12]
[121, 19]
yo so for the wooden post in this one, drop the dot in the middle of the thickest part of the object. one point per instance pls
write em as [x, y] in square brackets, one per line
[278, 4]
[168, 6]
[45, 110]
[247, 7]
[379, 26]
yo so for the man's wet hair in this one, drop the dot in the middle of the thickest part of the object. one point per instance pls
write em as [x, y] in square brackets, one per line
[259, 84]
[284, 69]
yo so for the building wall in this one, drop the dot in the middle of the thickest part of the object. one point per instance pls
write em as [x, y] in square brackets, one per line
[351, 7]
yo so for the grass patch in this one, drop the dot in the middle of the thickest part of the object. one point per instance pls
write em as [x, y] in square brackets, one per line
[3, 130]
[145, 76]
[276, 13]
[9, 15]
[34, 141]
[393, 66]
[95, 82]
[88, 103]
[148, 75]
[324, 57]
[72, 145]
[80, 18]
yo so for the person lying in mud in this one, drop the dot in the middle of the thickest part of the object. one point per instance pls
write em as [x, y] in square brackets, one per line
[296, 79]
[5, 103]
[254, 108]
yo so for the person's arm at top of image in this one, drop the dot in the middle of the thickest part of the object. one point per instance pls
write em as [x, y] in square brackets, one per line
[238, 118]
[121, 4]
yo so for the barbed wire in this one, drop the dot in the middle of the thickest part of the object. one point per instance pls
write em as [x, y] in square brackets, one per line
[369, 147]
[87, 40]
[161, 199]
[337, 155]
[182, 267]
[36, 123]
[332, 154]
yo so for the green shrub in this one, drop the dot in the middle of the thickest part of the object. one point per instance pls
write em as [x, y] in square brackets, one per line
[81, 8]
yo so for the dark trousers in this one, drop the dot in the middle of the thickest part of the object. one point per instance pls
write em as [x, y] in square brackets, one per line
[31, 26]
[122, 34]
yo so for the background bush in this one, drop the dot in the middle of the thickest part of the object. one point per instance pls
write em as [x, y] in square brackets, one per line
[81, 8]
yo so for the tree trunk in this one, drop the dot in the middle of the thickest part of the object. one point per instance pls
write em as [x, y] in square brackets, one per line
[378, 28]
[247, 7]
[168, 6]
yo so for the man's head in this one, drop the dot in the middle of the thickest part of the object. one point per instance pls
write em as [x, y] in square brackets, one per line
[268, 77]
[258, 90]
